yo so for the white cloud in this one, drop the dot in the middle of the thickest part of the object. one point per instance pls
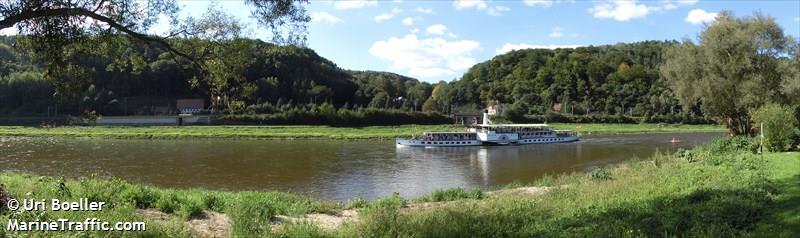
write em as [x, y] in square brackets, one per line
[452, 35]
[324, 17]
[687, 2]
[497, 10]
[700, 16]
[352, 4]
[620, 10]
[556, 33]
[424, 10]
[407, 21]
[477, 4]
[509, 47]
[414, 31]
[481, 6]
[437, 29]
[387, 15]
[539, 3]
[383, 17]
[426, 58]
[797, 19]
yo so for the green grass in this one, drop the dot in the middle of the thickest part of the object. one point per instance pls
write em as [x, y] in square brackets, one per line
[718, 190]
[371, 132]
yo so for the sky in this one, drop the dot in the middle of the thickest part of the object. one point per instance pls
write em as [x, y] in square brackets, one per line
[439, 40]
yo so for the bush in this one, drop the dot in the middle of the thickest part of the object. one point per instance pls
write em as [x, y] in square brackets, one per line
[451, 195]
[731, 144]
[779, 125]
[600, 173]
[355, 203]
[212, 202]
[139, 196]
[388, 203]
[168, 203]
[251, 216]
[191, 209]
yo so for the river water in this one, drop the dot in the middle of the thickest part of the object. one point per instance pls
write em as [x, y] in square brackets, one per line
[329, 169]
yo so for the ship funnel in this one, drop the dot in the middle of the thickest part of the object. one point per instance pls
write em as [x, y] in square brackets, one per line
[485, 118]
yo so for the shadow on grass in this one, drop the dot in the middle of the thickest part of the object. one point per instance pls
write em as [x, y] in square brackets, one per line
[751, 211]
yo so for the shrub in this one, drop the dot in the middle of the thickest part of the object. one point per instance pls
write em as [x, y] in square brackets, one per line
[779, 124]
[388, 203]
[731, 144]
[139, 196]
[355, 203]
[212, 202]
[600, 173]
[685, 154]
[451, 195]
[251, 216]
[169, 203]
[191, 209]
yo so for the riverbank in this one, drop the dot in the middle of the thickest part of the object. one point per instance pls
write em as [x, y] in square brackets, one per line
[718, 190]
[266, 132]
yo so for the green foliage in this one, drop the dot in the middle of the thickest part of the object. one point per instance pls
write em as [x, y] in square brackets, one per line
[779, 125]
[731, 144]
[190, 209]
[251, 216]
[685, 154]
[600, 173]
[738, 65]
[140, 196]
[168, 203]
[451, 194]
[393, 202]
[212, 202]
[325, 114]
[355, 203]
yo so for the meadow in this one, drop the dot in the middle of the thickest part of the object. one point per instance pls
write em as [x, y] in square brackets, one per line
[266, 132]
[718, 190]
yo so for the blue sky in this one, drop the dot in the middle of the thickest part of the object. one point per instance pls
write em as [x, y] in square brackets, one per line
[440, 40]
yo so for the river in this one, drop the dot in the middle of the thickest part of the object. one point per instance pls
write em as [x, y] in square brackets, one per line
[329, 169]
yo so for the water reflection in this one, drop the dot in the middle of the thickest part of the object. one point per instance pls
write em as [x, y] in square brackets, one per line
[332, 169]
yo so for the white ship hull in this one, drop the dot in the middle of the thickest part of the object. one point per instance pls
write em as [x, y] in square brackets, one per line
[540, 140]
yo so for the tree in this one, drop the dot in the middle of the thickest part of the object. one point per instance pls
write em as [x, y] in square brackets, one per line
[779, 125]
[735, 67]
[59, 31]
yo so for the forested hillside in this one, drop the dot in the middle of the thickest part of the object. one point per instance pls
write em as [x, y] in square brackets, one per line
[617, 81]
[274, 74]
[621, 79]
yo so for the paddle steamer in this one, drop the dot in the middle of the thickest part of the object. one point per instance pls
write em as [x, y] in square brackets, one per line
[491, 134]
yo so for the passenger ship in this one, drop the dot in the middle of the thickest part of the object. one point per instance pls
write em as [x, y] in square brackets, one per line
[486, 134]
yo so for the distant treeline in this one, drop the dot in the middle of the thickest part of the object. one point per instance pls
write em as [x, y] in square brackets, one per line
[293, 85]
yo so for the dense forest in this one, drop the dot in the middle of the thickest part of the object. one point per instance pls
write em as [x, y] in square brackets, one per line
[616, 81]
[282, 84]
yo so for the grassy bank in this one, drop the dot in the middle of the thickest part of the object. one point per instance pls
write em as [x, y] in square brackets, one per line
[371, 132]
[719, 190]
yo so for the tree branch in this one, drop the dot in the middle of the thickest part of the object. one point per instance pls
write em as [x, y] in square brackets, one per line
[65, 12]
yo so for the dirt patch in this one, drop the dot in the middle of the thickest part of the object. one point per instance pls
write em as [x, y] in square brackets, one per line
[213, 224]
[324, 221]
[210, 224]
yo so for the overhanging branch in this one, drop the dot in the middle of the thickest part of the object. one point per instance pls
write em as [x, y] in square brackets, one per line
[66, 12]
